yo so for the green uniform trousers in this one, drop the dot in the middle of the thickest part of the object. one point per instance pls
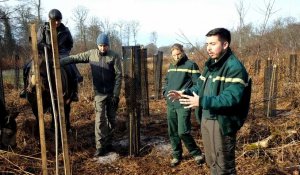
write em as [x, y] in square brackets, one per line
[179, 128]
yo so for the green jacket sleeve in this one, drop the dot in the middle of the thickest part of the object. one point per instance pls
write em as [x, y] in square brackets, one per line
[195, 78]
[79, 58]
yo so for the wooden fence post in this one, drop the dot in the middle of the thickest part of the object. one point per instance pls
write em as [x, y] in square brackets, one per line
[144, 82]
[39, 97]
[293, 67]
[270, 88]
[132, 68]
[17, 71]
[157, 68]
[60, 99]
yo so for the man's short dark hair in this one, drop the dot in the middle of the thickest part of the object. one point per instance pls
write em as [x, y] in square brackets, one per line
[223, 34]
[177, 46]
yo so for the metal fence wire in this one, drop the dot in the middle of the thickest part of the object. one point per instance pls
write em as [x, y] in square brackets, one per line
[136, 90]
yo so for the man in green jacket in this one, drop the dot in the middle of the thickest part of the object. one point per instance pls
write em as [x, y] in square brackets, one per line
[107, 78]
[181, 74]
[223, 95]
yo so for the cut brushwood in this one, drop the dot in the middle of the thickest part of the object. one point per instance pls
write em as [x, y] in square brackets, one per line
[260, 144]
[265, 142]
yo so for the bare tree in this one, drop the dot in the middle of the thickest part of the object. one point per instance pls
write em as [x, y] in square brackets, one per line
[185, 40]
[106, 25]
[7, 39]
[241, 10]
[93, 30]
[115, 42]
[38, 7]
[23, 18]
[80, 15]
[127, 31]
[36, 4]
[267, 12]
[120, 25]
[134, 29]
[153, 37]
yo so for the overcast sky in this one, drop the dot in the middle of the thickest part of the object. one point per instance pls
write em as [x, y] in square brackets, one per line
[168, 18]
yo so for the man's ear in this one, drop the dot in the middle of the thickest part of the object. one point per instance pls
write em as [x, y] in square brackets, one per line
[225, 45]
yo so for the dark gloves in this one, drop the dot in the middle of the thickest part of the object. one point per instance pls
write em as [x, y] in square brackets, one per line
[115, 101]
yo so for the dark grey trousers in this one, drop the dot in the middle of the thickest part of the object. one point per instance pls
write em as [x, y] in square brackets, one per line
[219, 149]
[105, 120]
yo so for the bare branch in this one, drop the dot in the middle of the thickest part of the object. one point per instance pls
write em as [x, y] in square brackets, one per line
[188, 42]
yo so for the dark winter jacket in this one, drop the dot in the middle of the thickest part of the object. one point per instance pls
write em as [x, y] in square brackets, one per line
[106, 70]
[230, 92]
[64, 39]
[180, 77]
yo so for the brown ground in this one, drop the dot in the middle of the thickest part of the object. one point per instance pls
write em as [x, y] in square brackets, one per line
[282, 156]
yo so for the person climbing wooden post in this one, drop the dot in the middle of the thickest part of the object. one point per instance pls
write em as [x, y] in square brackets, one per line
[60, 99]
[39, 97]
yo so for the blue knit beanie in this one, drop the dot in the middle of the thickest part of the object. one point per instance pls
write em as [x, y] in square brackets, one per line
[102, 39]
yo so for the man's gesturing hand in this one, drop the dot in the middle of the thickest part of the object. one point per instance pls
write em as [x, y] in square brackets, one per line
[190, 101]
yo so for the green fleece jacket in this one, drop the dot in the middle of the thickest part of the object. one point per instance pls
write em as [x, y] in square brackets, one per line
[106, 70]
[179, 77]
[230, 92]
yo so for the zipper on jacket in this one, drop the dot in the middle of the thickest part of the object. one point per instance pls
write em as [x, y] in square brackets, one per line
[102, 71]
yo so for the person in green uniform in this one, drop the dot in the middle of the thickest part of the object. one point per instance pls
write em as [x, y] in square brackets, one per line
[182, 73]
[223, 94]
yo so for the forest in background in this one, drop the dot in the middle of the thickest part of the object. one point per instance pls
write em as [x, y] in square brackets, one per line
[265, 40]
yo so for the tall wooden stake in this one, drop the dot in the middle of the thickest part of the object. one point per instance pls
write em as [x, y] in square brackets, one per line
[60, 100]
[39, 97]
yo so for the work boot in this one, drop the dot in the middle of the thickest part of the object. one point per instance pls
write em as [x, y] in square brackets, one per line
[23, 93]
[174, 162]
[100, 152]
[199, 159]
[110, 148]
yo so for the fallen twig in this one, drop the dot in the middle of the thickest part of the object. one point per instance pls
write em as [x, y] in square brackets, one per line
[29, 157]
[23, 171]
[286, 145]
[272, 149]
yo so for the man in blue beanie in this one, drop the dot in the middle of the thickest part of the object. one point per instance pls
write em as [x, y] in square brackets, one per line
[102, 39]
[107, 78]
